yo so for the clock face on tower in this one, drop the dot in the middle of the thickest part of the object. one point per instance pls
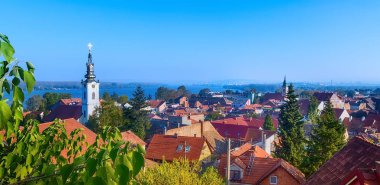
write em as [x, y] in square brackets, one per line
[93, 86]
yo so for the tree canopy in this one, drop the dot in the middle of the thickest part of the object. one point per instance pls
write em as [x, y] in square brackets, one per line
[291, 145]
[179, 172]
[268, 123]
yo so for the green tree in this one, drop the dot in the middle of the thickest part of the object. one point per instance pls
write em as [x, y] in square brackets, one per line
[182, 91]
[313, 109]
[179, 172]
[326, 139]
[137, 118]
[204, 92]
[115, 96]
[36, 103]
[123, 99]
[107, 115]
[268, 123]
[30, 157]
[291, 145]
[214, 116]
[53, 98]
[106, 96]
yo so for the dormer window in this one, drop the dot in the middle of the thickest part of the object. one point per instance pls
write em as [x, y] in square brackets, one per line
[179, 148]
[187, 149]
[273, 179]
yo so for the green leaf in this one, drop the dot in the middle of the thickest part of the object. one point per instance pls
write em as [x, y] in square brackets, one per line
[16, 81]
[5, 114]
[30, 67]
[91, 166]
[29, 80]
[66, 171]
[29, 159]
[137, 162]
[123, 173]
[7, 50]
[96, 180]
[6, 86]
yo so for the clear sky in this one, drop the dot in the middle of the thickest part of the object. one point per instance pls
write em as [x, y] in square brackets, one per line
[199, 40]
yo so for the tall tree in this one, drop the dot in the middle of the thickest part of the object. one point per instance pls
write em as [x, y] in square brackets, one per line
[107, 115]
[137, 118]
[326, 139]
[53, 98]
[268, 123]
[313, 109]
[204, 92]
[291, 145]
[36, 103]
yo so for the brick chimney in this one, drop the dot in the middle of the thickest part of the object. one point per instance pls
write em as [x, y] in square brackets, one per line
[202, 129]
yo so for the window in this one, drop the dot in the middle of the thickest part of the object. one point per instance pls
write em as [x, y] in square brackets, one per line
[273, 179]
[93, 95]
[187, 148]
[179, 148]
[235, 175]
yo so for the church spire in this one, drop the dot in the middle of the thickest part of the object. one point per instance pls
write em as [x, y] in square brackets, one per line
[90, 75]
[284, 83]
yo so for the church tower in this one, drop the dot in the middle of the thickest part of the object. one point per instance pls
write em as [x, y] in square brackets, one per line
[284, 87]
[90, 99]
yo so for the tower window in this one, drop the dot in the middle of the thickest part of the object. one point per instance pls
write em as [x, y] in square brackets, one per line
[93, 95]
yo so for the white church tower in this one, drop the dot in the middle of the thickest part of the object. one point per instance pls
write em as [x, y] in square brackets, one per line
[90, 98]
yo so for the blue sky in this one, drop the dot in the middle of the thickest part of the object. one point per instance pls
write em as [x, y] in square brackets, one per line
[183, 41]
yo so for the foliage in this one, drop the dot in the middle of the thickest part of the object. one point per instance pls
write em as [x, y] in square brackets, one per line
[122, 99]
[291, 143]
[52, 98]
[36, 103]
[313, 109]
[214, 116]
[55, 156]
[107, 115]
[179, 172]
[326, 139]
[251, 115]
[204, 92]
[167, 94]
[268, 123]
[137, 118]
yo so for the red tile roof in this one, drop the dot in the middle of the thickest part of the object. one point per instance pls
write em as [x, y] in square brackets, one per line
[155, 103]
[247, 147]
[273, 96]
[356, 154]
[165, 147]
[70, 125]
[129, 136]
[237, 127]
[262, 167]
[64, 112]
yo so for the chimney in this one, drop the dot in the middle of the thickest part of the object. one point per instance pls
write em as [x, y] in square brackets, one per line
[202, 129]
[165, 130]
[264, 142]
[350, 119]
[195, 135]
[175, 135]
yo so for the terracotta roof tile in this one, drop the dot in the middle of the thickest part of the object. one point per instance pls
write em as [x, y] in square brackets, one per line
[165, 147]
[356, 154]
[131, 137]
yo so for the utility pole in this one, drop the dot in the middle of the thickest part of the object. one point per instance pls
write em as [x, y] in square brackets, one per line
[228, 161]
